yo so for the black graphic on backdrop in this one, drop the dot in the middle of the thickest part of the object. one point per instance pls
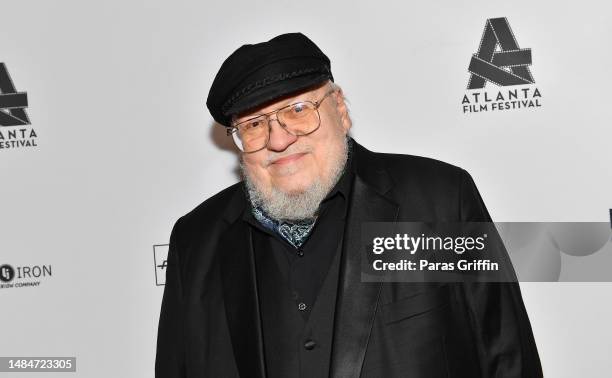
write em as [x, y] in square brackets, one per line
[12, 103]
[6, 273]
[499, 59]
[13, 277]
[160, 258]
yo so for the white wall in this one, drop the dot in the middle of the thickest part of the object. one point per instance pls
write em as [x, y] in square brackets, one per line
[116, 94]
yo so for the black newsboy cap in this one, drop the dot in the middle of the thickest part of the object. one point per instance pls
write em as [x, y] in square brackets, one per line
[255, 74]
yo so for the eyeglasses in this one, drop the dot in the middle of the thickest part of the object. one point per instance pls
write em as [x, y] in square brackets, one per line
[298, 119]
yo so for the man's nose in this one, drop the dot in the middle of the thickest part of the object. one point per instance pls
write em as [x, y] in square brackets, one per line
[280, 138]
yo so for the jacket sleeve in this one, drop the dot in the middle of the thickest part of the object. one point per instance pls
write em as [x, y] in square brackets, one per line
[499, 321]
[169, 361]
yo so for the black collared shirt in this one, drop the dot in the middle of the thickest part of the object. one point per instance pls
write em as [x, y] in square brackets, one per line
[304, 268]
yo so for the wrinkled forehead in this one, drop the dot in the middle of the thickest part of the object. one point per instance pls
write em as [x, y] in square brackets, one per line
[310, 94]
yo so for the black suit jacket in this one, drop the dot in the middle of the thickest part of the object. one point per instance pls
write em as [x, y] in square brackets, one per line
[210, 323]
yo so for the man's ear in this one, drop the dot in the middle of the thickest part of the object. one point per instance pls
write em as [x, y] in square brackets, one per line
[342, 110]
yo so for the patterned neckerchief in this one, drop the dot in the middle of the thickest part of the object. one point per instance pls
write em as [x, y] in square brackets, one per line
[295, 234]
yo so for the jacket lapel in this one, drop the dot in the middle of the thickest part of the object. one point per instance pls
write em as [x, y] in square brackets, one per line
[242, 299]
[356, 301]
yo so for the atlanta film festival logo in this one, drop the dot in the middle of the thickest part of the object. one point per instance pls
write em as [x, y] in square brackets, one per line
[500, 61]
[15, 128]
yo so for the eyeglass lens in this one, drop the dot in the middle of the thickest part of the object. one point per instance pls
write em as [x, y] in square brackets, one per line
[298, 119]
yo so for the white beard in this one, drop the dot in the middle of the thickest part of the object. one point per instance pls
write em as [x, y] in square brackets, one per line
[297, 206]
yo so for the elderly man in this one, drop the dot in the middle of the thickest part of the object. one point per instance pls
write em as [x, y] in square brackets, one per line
[264, 278]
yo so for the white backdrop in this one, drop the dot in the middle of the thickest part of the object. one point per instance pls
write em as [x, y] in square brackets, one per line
[125, 145]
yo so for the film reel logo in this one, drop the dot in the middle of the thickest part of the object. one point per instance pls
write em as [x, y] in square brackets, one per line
[499, 59]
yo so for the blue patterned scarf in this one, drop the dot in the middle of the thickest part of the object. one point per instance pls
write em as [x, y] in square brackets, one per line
[295, 234]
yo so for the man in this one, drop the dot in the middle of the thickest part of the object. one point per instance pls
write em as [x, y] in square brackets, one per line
[264, 278]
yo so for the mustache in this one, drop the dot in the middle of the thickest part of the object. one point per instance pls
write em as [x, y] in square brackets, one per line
[273, 156]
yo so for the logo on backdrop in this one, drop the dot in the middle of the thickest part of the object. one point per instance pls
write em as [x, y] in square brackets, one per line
[502, 64]
[15, 128]
[160, 258]
[6, 273]
[23, 276]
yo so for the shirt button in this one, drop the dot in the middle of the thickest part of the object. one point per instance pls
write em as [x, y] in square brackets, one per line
[302, 306]
[310, 344]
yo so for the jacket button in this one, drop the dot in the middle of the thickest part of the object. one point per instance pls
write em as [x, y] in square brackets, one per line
[302, 306]
[309, 344]
[300, 252]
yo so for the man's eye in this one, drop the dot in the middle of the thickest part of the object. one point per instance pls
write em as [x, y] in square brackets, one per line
[254, 124]
[298, 108]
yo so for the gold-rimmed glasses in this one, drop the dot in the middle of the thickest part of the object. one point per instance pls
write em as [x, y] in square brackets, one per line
[298, 119]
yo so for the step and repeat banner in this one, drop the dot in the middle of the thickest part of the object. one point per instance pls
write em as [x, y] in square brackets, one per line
[105, 141]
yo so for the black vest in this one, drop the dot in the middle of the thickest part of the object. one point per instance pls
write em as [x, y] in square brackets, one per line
[295, 345]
